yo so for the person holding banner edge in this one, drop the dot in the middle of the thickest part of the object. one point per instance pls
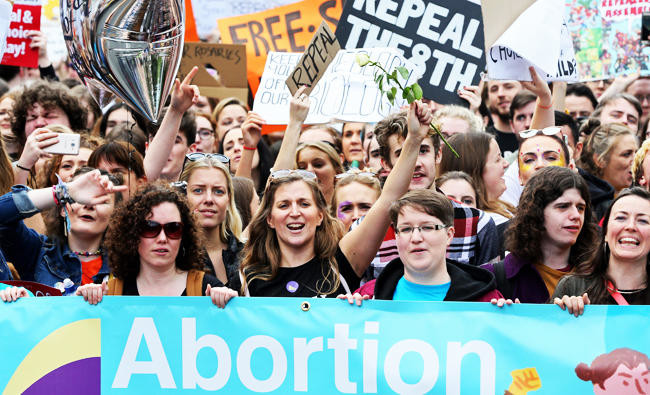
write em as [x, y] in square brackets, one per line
[618, 274]
[290, 258]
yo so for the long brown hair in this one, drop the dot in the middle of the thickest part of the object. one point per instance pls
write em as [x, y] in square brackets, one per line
[6, 170]
[473, 148]
[262, 255]
[596, 269]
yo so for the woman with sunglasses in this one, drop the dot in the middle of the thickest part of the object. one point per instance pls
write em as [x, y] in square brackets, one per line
[295, 247]
[549, 237]
[618, 274]
[606, 161]
[211, 199]
[154, 249]
[73, 246]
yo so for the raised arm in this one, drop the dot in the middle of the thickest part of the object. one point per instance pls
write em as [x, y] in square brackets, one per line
[361, 244]
[544, 114]
[90, 188]
[559, 95]
[184, 96]
[35, 144]
[251, 133]
[298, 110]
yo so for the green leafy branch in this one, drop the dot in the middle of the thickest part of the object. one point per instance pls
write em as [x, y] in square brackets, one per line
[389, 85]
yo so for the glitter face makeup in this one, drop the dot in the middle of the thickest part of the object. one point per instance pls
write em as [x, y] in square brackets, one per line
[538, 153]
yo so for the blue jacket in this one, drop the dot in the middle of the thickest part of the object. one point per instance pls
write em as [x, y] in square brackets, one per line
[36, 257]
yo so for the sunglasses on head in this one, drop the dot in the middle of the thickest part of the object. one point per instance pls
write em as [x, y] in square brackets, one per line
[305, 174]
[355, 173]
[196, 156]
[151, 229]
[549, 131]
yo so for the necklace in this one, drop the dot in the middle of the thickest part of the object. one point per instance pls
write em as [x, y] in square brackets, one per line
[630, 291]
[611, 288]
[89, 253]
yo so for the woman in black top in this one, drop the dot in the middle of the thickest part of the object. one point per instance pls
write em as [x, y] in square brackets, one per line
[295, 246]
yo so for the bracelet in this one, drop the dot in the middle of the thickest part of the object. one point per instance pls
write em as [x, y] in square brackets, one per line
[539, 104]
[62, 194]
[62, 197]
[250, 148]
[21, 167]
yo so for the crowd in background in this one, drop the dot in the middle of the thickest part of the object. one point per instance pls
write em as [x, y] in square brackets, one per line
[539, 194]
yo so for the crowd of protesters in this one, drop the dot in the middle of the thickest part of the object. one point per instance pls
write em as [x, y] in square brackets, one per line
[539, 195]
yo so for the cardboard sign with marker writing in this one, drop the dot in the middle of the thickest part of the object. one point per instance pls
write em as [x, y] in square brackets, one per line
[283, 29]
[229, 60]
[312, 65]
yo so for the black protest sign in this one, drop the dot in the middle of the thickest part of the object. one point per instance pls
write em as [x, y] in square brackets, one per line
[444, 38]
[312, 65]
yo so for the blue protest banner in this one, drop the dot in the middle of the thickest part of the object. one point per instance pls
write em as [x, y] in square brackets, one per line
[142, 345]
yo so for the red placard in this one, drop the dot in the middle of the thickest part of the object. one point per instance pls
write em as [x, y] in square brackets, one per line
[25, 16]
[37, 289]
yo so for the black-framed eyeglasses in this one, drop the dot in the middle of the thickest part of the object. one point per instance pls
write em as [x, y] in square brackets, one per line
[196, 156]
[305, 174]
[151, 229]
[407, 230]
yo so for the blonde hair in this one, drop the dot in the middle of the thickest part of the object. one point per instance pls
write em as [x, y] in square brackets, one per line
[223, 103]
[331, 153]
[458, 112]
[232, 223]
[637, 165]
[599, 145]
[354, 175]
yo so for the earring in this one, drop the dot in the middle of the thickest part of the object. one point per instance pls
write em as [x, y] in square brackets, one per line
[606, 249]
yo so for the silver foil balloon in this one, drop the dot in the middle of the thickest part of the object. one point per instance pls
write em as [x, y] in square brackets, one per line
[126, 48]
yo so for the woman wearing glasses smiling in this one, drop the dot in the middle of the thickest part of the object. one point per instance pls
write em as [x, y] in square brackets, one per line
[153, 248]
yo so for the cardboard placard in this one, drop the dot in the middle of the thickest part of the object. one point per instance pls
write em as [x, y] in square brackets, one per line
[444, 38]
[229, 60]
[25, 16]
[312, 65]
[283, 29]
[517, 48]
[346, 91]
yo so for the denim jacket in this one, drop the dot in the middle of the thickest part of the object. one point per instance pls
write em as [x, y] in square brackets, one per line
[36, 257]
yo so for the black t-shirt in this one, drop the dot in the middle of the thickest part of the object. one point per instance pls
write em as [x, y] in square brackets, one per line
[304, 281]
[130, 287]
[507, 141]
